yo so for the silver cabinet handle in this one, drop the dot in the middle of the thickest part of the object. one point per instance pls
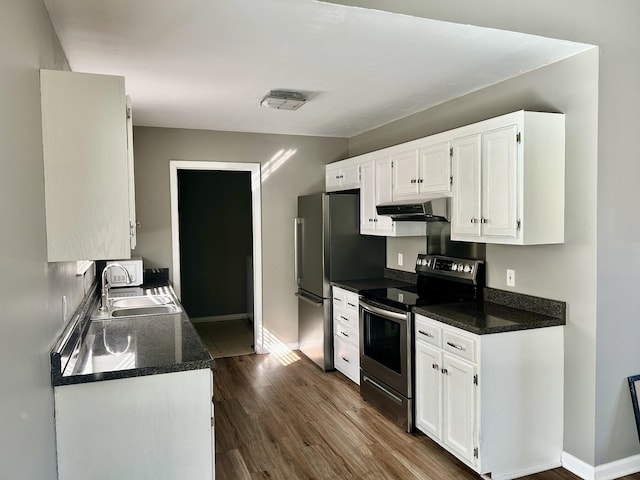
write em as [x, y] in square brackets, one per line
[435, 366]
[456, 346]
[351, 305]
[475, 220]
[375, 220]
[344, 334]
[484, 220]
[344, 318]
[426, 334]
[346, 359]
[413, 180]
[445, 371]
[420, 180]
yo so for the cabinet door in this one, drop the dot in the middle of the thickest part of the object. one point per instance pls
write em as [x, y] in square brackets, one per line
[428, 399]
[459, 406]
[132, 188]
[367, 198]
[435, 169]
[499, 177]
[384, 193]
[332, 178]
[86, 175]
[465, 218]
[405, 174]
[350, 176]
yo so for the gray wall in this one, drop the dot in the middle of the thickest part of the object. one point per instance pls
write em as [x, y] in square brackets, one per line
[599, 425]
[31, 290]
[302, 173]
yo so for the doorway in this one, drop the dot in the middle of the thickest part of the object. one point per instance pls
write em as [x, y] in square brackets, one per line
[216, 247]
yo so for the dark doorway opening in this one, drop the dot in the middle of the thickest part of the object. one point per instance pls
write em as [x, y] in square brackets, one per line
[216, 257]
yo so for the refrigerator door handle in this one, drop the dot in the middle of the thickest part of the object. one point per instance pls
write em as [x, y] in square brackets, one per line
[313, 300]
[297, 268]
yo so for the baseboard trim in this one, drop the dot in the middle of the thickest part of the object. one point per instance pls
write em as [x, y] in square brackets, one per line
[219, 318]
[606, 471]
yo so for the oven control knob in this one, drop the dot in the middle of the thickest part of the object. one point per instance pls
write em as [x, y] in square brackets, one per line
[467, 268]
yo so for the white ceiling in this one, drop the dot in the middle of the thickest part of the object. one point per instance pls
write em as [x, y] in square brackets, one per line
[206, 64]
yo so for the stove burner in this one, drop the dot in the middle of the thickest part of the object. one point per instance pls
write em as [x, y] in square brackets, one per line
[440, 280]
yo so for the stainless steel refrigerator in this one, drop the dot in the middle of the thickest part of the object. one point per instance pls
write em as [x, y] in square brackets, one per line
[328, 248]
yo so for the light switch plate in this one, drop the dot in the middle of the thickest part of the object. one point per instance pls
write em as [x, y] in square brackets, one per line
[511, 278]
[400, 259]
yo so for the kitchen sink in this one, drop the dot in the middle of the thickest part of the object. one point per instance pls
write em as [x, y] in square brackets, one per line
[140, 302]
[150, 310]
[149, 304]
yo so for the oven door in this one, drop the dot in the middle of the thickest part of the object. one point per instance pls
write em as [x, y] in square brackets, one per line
[385, 345]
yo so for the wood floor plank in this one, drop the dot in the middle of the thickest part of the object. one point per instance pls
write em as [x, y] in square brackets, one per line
[288, 420]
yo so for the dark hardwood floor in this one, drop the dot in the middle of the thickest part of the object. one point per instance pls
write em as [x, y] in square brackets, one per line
[281, 417]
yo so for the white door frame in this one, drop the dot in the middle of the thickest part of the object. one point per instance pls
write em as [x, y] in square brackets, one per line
[256, 207]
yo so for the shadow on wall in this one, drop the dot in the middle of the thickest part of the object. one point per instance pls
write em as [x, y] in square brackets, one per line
[276, 162]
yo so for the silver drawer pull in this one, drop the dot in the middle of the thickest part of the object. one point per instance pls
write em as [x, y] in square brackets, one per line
[456, 346]
[346, 359]
[426, 334]
[344, 318]
[351, 305]
[344, 334]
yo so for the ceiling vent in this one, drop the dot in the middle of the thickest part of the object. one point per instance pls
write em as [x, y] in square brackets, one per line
[283, 100]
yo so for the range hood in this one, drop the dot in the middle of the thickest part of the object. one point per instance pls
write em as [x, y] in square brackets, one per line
[434, 210]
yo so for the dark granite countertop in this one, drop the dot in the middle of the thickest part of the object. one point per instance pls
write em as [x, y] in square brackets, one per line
[115, 348]
[356, 286]
[484, 318]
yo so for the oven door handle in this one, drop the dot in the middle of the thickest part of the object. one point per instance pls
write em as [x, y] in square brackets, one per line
[382, 390]
[382, 312]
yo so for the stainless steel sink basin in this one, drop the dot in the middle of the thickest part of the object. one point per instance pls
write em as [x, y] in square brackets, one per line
[149, 304]
[150, 310]
[138, 302]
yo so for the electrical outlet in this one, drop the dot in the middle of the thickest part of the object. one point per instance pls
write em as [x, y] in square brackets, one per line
[400, 259]
[64, 308]
[511, 278]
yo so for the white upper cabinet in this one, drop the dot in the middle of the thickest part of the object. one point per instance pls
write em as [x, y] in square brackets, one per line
[86, 166]
[343, 175]
[422, 171]
[405, 173]
[133, 224]
[508, 180]
[376, 188]
[505, 177]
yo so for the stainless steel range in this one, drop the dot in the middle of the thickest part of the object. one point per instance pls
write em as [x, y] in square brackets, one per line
[386, 329]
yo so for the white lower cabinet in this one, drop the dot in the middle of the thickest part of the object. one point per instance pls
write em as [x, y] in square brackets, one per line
[495, 401]
[149, 427]
[346, 338]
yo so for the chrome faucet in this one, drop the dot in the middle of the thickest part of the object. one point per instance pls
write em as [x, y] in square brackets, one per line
[104, 305]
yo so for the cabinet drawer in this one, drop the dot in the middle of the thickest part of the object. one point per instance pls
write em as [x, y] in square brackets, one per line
[461, 345]
[347, 317]
[346, 333]
[352, 302]
[347, 359]
[428, 331]
[339, 297]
